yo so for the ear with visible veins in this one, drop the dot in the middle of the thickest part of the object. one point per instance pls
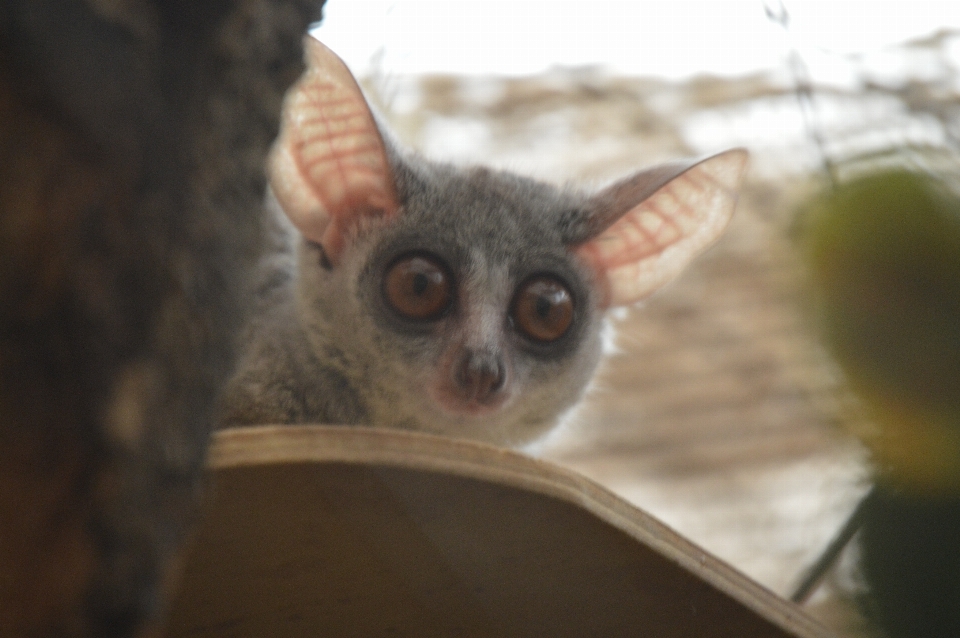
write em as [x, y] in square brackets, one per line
[641, 232]
[328, 168]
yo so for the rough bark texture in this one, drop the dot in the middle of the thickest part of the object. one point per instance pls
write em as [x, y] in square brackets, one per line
[132, 138]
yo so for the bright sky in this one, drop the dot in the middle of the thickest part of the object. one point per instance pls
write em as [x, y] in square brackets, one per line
[673, 39]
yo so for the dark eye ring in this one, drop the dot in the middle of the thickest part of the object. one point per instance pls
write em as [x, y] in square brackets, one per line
[418, 286]
[542, 308]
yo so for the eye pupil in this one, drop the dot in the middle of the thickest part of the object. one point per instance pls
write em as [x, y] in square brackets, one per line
[420, 283]
[418, 287]
[543, 309]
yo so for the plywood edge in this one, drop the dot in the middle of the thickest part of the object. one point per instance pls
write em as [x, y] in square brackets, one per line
[274, 444]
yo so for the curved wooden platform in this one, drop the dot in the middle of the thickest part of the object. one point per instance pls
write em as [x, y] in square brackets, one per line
[326, 531]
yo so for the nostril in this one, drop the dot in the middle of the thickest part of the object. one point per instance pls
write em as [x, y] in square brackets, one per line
[487, 380]
[499, 377]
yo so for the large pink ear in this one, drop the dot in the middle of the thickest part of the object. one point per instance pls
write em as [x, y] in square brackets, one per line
[328, 168]
[654, 223]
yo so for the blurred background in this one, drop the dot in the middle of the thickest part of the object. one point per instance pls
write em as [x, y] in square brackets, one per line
[721, 412]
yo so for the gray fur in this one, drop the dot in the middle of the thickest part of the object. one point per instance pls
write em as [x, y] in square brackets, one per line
[326, 347]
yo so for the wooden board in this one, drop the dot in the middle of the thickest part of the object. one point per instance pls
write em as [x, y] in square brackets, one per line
[325, 531]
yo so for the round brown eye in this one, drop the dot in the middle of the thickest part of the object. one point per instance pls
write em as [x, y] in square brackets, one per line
[417, 287]
[543, 309]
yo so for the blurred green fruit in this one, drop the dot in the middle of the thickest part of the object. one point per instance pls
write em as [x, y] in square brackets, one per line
[884, 256]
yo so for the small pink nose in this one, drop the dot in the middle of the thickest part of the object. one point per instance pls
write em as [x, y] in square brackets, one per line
[480, 376]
